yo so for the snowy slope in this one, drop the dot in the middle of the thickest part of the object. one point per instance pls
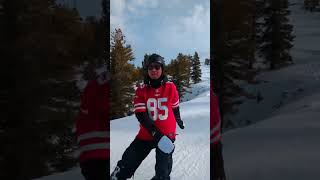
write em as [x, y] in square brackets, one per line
[283, 147]
[283, 143]
[190, 159]
[294, 82]
[199, 88]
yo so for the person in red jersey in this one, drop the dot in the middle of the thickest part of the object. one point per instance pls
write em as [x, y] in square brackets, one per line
[215, 139]
[156, 105]
[92, 129]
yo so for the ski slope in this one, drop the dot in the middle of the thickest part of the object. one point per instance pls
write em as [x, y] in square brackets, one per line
[283, 147]
[190, 158]
[283, 140]
[294, 82]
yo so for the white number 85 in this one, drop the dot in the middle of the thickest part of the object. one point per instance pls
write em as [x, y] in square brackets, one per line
[157, 104]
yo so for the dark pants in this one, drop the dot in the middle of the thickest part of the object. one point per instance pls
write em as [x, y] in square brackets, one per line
[95, 169]
[136, 153]
[216, 164]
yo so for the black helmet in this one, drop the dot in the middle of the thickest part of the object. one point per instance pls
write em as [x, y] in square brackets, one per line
[155, 58]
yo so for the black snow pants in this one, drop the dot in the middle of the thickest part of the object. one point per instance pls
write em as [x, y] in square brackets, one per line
[136, 153]
[95, 169]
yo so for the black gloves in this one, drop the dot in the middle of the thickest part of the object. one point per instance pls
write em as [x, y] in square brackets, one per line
[180, 124]
[176, 112]
[164, 143]
[156, 135]
[147, 123]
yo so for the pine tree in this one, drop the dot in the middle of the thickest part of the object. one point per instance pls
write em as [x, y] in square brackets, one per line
[188, 66]
[277, 37]
[207, 61]
[122, 82]
[179, 69]
[144, 62]
[196, 70]
[44, 42]
[233, 52]
[144, 70]
[311, 5]
[105, 25]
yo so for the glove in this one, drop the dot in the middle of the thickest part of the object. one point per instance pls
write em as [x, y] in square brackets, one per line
[180, 124]
[156, 135]
[176, 113]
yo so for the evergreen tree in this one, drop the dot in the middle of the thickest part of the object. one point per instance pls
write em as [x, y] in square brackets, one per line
[143, 70]
[188, 65]
[93, 46]
[105, 24]
[122, 82]
[179, 69]
[144, 62]
[196, 69]
[252, 26]
[207, 61]
[311, 5]
[233, 52]
[277, 38]
[43, 43]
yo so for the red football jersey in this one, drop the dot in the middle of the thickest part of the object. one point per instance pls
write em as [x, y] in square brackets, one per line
[215, 119]
[159, 104]
[92, 122]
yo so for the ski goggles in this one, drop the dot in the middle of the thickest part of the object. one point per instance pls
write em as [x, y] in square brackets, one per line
[154, 66]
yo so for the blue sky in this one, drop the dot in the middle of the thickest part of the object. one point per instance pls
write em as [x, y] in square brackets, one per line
[166, 27]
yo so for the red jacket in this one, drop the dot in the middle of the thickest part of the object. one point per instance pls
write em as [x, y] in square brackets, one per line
[92, 122]
[215, 119]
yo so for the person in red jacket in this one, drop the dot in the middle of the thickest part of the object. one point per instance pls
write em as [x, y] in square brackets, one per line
[92, 129]
[215, 139]
[156, 105]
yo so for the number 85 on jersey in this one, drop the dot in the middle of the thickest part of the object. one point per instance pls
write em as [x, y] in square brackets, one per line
[157, 108]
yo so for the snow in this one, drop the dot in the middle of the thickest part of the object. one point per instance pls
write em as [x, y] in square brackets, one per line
[283, 140]
[199, 88]
[192, 145]
[285, 146]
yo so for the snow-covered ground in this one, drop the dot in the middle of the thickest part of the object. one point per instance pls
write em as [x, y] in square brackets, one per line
[191, 157]
[283, 147]
[283, 141]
